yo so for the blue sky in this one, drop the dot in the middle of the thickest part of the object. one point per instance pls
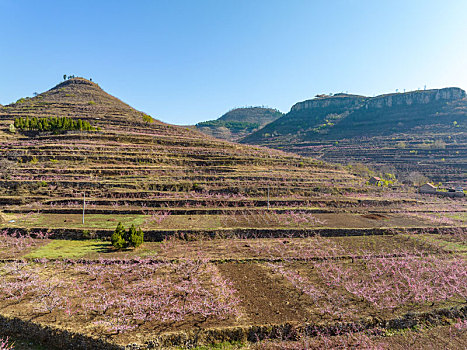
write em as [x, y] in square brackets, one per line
[189, 61]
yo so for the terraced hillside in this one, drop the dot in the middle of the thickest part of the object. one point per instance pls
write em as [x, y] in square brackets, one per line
[134, 165]
[242, 244]
[239, 122]
[419, 131]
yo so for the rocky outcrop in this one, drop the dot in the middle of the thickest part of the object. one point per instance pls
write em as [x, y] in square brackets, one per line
[336, 101]
[382, 101]
[415, 97]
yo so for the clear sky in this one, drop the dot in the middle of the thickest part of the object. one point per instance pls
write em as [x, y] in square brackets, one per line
[189, 61]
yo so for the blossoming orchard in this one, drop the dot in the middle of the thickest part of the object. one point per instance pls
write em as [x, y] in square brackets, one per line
[118, 231]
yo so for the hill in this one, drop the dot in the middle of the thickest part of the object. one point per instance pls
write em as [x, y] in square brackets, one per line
[422, 131]
[126, 150]
[258, 115]
[240, 242]
[239, 122]
[133, 167]
[76, 97]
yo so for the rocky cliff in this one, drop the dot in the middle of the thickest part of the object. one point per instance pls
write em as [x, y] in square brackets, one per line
[415, 97]
[336, 101]
[415, 132]
[387, 100]
[346, 116]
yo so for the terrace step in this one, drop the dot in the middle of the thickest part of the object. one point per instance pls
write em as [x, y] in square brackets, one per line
[246, 233]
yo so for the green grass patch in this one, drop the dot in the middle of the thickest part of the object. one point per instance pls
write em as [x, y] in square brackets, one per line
[438, 241]
[462, 217]
[92, 221]
[69, 249]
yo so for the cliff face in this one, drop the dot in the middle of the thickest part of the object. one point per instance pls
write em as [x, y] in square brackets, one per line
[387, 100]
[337, 101]
[344, 116]
[415, 97]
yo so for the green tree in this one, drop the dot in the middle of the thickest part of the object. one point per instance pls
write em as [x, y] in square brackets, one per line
[124, 239]
[136, 237]
[117, 237]
[131, 231]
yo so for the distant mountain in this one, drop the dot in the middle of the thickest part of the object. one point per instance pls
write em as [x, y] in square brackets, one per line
[239, 122]
[351, 128]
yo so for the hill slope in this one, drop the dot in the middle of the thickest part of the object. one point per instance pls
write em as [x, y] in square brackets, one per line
[76, 97]
[239, 122]
[415, 131]
[239, 211]
[133, 158]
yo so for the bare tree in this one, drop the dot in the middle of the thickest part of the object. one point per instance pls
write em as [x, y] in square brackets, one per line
[6, 168]
[415, 178]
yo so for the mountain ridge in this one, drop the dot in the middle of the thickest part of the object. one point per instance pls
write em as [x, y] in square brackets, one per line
[318, 117]
[408, 98]
[409, 124]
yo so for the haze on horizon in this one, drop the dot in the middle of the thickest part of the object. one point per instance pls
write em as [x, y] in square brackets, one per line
[184, 62]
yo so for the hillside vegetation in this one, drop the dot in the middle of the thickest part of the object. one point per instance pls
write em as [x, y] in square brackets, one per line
[419, 131]
[239, 122]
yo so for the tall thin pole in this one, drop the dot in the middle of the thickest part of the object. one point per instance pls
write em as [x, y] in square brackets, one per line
[84, 205]
[268, 196]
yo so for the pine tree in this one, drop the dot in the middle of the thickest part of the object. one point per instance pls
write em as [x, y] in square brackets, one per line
[131, 232]
[117, 237]
[136, 238]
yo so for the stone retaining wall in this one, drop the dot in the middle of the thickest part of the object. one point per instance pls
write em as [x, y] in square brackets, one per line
[191, 235]
[63, 339]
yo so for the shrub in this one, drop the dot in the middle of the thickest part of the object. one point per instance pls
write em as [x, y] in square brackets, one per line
[86, 234]
[124, 239]
[117, 237]
[7, 168]
[147, 118]
[401, 144]
[136, 237]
